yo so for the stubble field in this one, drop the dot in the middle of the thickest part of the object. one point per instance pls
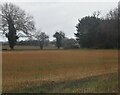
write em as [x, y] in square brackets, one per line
[56, 71]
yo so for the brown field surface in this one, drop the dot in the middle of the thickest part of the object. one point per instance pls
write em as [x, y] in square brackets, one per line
[52, 70]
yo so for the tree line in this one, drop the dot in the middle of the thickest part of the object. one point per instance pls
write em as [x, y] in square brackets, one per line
[91, 31]
[95, 32]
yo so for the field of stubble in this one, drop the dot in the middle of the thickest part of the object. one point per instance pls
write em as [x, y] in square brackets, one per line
[67, 71]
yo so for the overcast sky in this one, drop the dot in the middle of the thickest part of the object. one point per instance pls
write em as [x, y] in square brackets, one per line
[54, 16]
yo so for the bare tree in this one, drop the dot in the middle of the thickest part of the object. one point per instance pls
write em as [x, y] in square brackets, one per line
[41, 37]
[59, 37]
[14, 20]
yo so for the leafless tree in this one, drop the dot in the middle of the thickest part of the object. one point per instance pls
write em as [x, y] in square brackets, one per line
[14, 20]
[41, 37]
[59, 37]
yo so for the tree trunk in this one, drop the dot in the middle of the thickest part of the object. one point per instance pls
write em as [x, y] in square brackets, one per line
[58, 47]
[41, 44]
[41, 47]
[12, 33]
